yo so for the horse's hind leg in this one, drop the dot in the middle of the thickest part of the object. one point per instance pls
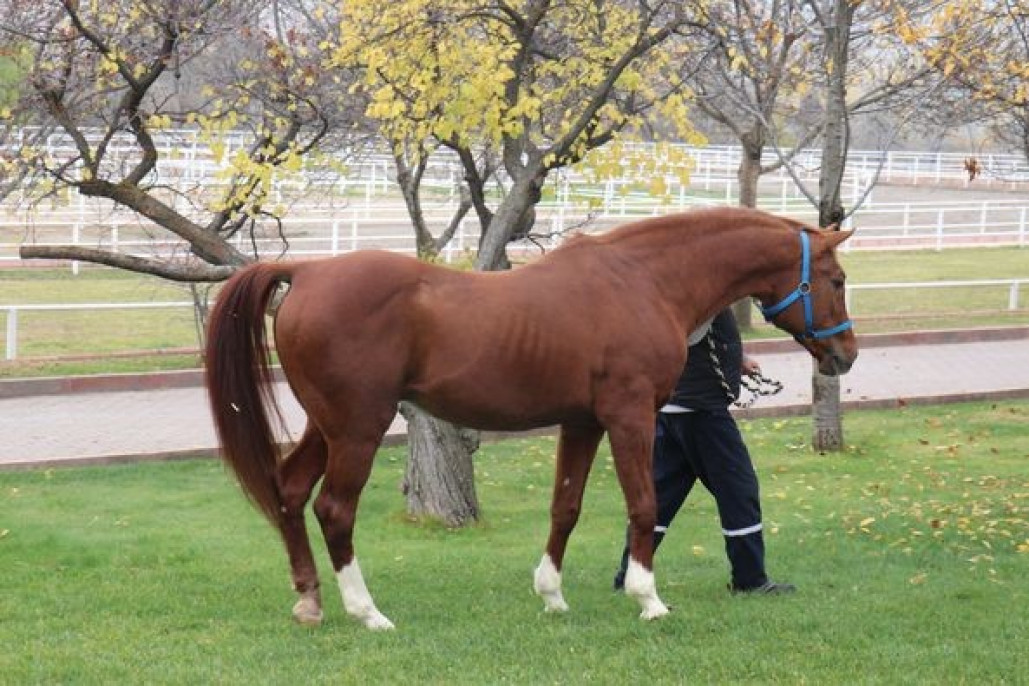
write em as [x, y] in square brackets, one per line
[297, 475]
[350, 463]
[577, 447]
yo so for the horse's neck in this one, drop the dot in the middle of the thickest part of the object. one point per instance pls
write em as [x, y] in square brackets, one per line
[702, 276]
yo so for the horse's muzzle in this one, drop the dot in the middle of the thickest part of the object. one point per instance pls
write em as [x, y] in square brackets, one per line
[835, 363]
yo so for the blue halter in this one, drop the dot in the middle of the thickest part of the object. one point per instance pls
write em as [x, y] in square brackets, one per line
[803, 293]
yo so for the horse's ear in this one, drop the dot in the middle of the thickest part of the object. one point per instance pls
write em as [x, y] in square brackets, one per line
[834, 236]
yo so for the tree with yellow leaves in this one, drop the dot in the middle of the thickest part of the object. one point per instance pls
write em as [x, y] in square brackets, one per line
[512, 91]
[982, 49]
[113, 78]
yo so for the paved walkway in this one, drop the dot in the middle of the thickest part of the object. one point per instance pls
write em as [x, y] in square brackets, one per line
[97, 427]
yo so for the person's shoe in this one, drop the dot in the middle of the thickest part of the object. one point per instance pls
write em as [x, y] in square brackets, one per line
[768, 588]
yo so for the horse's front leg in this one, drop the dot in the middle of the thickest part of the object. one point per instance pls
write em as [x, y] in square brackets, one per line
[632, 440]
[577, 447]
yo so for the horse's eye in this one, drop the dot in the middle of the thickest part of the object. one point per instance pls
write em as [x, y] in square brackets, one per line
[838, 283]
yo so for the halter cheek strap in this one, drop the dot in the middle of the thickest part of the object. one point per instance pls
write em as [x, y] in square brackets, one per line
[803, 293]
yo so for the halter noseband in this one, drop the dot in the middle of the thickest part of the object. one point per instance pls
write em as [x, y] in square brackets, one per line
[803, 293]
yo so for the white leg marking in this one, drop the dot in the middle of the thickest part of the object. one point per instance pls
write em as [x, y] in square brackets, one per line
[357, 600]
[639, 583]
[547, 584]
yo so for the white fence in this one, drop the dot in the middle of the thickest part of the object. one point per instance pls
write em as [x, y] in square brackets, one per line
[329, 211]
[1013, 293]
[12, 311]
[321, 231]
[184, 155]
[1013, 286]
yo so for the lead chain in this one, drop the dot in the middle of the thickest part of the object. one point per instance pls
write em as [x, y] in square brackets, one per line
[757, 384]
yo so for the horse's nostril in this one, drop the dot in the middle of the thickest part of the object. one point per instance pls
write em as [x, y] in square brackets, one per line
[843, 364]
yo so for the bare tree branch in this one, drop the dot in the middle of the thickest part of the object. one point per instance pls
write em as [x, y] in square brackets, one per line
[173, 271]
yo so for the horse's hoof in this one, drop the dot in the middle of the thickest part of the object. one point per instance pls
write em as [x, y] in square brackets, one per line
[377, 622]
[654, 612]
[555, 605]
[307, 612]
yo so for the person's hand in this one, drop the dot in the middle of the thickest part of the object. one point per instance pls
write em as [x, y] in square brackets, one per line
[750, 366]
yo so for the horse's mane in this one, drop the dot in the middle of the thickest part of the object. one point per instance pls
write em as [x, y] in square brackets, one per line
[696, 221]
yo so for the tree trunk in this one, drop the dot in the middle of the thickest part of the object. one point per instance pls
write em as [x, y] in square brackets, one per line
[515, 213]
[439, 482]
[201, 308]
[439, 478]
[827, 429]
[749, 174]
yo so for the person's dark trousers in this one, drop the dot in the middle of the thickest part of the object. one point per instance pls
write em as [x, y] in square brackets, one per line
[707, 445]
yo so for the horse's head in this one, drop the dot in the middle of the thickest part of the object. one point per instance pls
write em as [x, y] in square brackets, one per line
[808, 301]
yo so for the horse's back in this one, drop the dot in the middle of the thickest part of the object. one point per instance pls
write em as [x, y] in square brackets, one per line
[511, 350]
[344, 322]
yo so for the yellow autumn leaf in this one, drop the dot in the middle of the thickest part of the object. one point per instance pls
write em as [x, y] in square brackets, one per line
[658, 187]
[293, 163]
[217, 151]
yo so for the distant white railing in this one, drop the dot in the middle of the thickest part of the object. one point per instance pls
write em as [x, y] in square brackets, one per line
[320, 231]
[1014, 287]
[333, 210]
[12, 311]
[183, 154]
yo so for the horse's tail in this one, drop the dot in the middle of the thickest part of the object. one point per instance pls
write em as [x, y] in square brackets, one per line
[239, 382]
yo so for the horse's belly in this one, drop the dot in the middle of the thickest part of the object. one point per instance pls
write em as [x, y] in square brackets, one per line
[485, 418]
[516, 403]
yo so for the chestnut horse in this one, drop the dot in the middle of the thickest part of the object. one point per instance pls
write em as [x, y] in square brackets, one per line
[591, 337]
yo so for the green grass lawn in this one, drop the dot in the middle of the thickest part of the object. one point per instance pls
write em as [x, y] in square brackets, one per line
[93, 332]
[936, 308]
[92, 284]
[910, 551]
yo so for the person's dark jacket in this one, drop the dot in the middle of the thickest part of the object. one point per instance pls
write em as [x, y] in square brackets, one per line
[700, 387]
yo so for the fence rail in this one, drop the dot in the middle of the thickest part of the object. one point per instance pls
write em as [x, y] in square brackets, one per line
[1014, 302]
[185, 154]
[333, 210]
[1014, 288]
[385, 225]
